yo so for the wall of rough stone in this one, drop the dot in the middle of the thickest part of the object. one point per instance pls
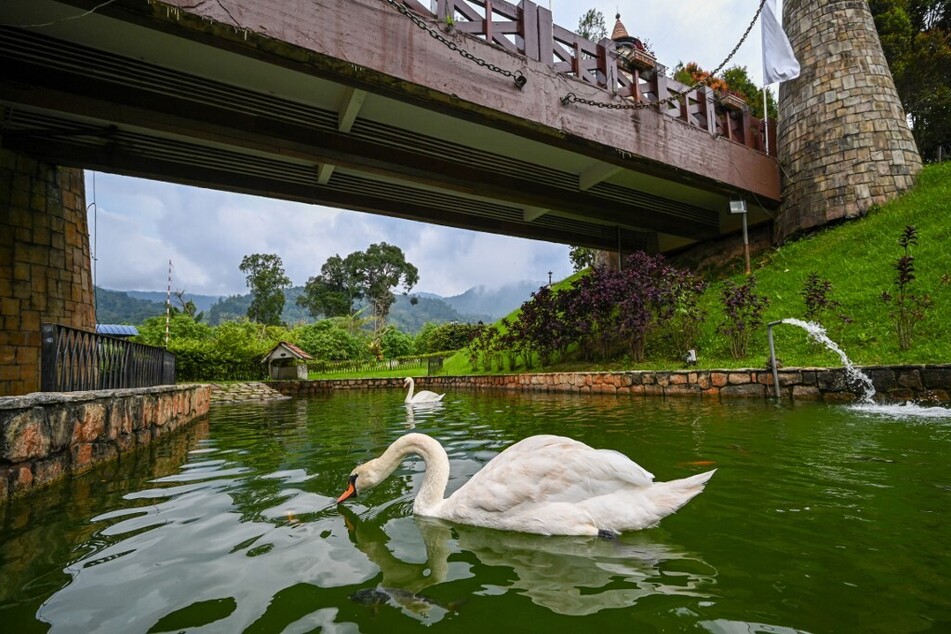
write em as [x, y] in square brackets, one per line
[46, 437]
[922, 383]
[45, 273]
[843, 139]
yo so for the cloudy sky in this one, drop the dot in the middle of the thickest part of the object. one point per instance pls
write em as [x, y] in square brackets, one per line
[137, 226]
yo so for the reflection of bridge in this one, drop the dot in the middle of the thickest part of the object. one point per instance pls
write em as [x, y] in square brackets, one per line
[372, 105]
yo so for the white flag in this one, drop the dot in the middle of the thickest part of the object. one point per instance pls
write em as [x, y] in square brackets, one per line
[779, 62]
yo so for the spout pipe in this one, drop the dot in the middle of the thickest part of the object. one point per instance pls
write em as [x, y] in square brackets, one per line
[772, 356]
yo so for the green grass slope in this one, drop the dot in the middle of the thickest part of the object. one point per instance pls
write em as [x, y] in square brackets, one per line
[858, 258]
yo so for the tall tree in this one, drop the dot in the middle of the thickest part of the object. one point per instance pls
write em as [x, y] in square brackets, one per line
[381, 268]
[266, 281]
[591, 26]
[333, 292]
[916, 40]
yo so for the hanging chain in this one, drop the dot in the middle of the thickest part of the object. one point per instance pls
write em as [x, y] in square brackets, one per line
[517, 76]
[573, 98]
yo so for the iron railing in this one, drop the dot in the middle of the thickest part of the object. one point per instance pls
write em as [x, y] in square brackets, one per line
[74, 360]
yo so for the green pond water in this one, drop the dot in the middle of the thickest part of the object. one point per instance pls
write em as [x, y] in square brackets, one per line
[820, 518]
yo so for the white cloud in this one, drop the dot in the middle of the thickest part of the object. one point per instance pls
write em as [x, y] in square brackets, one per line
[143, 224]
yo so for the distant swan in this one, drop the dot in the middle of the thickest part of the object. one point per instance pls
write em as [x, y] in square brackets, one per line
[423, 396]
[549, 485]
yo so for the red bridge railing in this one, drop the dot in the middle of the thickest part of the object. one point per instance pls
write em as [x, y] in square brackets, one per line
[527, 28]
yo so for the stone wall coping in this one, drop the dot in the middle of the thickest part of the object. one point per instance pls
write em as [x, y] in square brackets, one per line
[35, 399]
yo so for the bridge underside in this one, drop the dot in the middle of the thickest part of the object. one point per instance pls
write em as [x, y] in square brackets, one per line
[365, 112]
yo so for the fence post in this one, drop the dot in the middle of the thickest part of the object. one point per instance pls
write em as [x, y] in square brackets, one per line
[48, 358]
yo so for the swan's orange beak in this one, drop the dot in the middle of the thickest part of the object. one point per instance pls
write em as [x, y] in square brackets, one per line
[351, 490]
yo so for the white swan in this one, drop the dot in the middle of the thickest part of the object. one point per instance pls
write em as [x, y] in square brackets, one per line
[544, 484]
[423, 396]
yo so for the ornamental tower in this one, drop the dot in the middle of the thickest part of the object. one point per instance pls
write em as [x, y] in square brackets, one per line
[843, 138]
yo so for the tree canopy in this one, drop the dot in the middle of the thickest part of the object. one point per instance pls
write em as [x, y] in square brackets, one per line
[266, 281]
[334, 291]
[916, 40]
[591, 26]
[369, 275]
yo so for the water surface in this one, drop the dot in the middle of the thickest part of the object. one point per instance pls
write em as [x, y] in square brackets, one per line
[819, 519]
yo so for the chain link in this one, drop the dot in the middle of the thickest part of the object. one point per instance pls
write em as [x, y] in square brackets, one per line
[573, 98]
[517, 76]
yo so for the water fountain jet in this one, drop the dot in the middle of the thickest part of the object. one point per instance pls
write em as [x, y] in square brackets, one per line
[818, 334]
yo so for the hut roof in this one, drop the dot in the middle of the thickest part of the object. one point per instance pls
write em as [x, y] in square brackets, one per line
[284, 350]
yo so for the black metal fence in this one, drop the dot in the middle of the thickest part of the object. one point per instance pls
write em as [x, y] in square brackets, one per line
[74, 360]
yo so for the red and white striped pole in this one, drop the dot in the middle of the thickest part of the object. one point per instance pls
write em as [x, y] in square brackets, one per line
[168, 302]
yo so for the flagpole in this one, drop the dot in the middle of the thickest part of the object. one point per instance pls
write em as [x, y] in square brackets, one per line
[766, 120]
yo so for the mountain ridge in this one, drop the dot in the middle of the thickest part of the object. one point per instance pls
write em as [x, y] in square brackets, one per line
[479, 303]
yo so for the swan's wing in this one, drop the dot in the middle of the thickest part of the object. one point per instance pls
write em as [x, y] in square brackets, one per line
[549, 470]
[425, 396]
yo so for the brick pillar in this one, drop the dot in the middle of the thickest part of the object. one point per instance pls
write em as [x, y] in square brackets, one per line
[45, 272]
[842, 134]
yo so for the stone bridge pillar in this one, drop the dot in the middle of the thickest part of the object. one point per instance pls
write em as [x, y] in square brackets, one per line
[843, 138]
[45, 272]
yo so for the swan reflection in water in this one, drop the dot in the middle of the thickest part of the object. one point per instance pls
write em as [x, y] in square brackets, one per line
[568, 575]
[421, 412]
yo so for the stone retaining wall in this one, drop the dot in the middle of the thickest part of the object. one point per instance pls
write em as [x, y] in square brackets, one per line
[923, 383]
[45, 437]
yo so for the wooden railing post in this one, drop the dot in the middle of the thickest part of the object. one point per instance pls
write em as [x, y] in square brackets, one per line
[660, 89]
[546, 37]
[528, 28]
[747, 131]
[444, 9]
[607, 64]
[709, 108]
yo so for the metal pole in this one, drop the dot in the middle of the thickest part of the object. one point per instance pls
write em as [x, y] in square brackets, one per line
[746, 245]
[772, 356]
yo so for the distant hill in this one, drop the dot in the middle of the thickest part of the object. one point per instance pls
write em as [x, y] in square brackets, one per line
[476, 304]
[202, 302]
[117, 307]
[494, 303]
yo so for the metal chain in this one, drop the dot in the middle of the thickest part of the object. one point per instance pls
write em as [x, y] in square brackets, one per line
[517, 76]
[573, 98]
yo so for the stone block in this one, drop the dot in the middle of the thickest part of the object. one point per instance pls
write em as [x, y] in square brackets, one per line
[718, 379]
[21, 479]
[81, 457]
[748, 390]
[90, 423]
[50, 470]
[882, 378]
[25, 435]
[61, 421]
[831, 380]
[910, 378]
[738, 378]
[806, 393]
[104, 452]
[682, 390]
[121, 414]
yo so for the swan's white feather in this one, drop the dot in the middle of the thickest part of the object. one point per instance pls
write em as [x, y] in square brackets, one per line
[544, 484]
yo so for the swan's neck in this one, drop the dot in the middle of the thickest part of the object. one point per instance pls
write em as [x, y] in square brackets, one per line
[433, 489]
[412, 387]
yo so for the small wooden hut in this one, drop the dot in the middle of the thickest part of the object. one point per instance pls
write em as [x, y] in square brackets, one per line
[286, 361]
